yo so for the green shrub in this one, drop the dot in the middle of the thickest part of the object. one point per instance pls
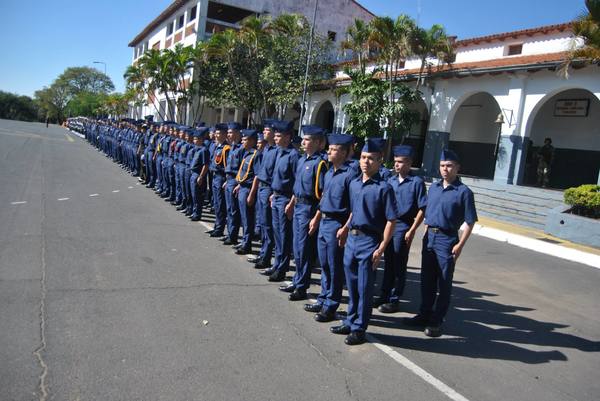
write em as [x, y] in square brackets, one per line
[585, 200]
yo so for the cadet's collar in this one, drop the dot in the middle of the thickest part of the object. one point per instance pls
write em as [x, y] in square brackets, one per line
[341, 169]
[453, 185]
[375, 178]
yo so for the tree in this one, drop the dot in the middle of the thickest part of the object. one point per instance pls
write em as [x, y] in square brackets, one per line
[53, 101]
[85, 79]
[15, 107]
[358, 41]
[432, 43]
[587, 27]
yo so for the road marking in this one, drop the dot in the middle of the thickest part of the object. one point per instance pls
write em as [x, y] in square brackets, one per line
[129, 187]
[62, 199]
[18, 203]
[416, 369]
[69, 138]
[115, 191]
[92, 195]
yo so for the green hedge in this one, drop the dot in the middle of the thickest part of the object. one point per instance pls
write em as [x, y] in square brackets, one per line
[585, 200]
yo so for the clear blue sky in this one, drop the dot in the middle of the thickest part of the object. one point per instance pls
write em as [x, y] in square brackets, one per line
[43, 38]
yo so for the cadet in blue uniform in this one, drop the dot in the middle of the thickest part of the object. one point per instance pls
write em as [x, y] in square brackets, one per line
[373, 212]
[411, 198]
[450, 203]
[282, 209]
[261, 190]
[199, 170]
[308, 186]
[260, 146]
[231, 169]
[217, 167]
[333, 213]
[245, 179]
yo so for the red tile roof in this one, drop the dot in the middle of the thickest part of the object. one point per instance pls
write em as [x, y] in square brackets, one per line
[515, 34]
[474, 67]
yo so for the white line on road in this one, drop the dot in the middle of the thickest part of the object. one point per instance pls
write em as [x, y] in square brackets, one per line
[62, 199]
[129, 187]
[18, 203]
[115, 191]
[422, 373]
[92, 195]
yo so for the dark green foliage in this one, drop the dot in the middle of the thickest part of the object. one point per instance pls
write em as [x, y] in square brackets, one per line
[15, 107]
[585, 200]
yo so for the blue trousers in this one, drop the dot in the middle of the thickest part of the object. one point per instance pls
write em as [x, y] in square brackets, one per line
[172, 181]
[158, 169]
[331, 259]
[437, 270]
[247, 217]
[219, 203]
[150, 176]
[233, 210]
[305, 246]
[265, 217]
[187, 188]
[396, 260]
[178, 191]
[282, 233]
[360, 279]
[197, 193]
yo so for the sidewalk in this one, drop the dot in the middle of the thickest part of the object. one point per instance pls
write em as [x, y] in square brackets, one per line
[537, 240]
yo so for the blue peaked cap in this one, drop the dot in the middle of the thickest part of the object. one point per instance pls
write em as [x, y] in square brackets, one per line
[249, 133]
[449, 155]
[340, 139]
[261, 136]
[403, 151]
[221, 127]
[202, 131]
[374, 145]
[312, 130]
[234, 125]
[268, 122]
[282, 127]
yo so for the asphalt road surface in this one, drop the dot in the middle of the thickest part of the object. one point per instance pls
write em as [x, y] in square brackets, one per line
[108, 293]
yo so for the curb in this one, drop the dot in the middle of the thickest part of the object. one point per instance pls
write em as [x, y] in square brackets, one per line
[536, 245]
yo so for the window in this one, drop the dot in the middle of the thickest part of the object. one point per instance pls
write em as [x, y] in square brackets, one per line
[331, 35]
[170, 29]
[515, 49]
[180, 21]
[146, 46]
[192, 13]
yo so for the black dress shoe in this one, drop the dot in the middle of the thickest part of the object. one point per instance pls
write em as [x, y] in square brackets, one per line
[209, 231]
[229, 242]
[254, 259]
[342, 329]
[277, 277]
[236, 246]
[378, 301]
[215, 234]
[180, 208]
[313, 308]
[356, 338]
[195, 218]
[390, 307]
[416, 321]
[298, 295]
[325, 316]
[433, 331]
[262, 266]
[242, 251]
[267, 272]
[287, 288]
[223, 238]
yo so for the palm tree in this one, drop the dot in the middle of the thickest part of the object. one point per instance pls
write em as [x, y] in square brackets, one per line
[358, 41]
[432, 43]
[587, 27]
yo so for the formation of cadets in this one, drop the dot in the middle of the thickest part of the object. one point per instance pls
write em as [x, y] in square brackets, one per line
[319, 203]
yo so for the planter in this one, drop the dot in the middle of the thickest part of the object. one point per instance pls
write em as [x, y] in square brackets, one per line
[578, 229]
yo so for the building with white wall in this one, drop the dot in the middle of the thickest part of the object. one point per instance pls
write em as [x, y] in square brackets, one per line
[187, 22]
[514, 74]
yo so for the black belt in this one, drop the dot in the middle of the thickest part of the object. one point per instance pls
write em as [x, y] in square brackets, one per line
[336, 216]
[437, 230]
[217, 172]
[358, 232]
[277, 193]
[262, 184]
[305, 200]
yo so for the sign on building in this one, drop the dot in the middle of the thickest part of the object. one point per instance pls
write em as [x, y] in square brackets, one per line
[572, 108]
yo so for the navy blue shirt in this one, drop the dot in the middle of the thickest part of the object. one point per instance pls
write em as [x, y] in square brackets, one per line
[284, 171]
[234, 159]
[308, 176]
[245, 174]
[336, 190]
[410, 198]
[218, 158]
[267, 164]
[372, 204]
[201, 159]
[448, 208]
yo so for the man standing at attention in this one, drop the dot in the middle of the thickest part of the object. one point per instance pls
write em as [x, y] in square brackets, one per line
[450, 203]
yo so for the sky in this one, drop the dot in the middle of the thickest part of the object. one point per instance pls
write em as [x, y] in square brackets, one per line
[43, 38]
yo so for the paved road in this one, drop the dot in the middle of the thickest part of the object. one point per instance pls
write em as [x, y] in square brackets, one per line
[119, 297]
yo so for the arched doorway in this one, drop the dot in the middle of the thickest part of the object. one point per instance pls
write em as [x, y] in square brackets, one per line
[416, 136]
[474, 134]
[571, 118]
[325, 116]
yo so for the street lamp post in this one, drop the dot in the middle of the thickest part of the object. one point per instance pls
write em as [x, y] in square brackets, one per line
[101, 62]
